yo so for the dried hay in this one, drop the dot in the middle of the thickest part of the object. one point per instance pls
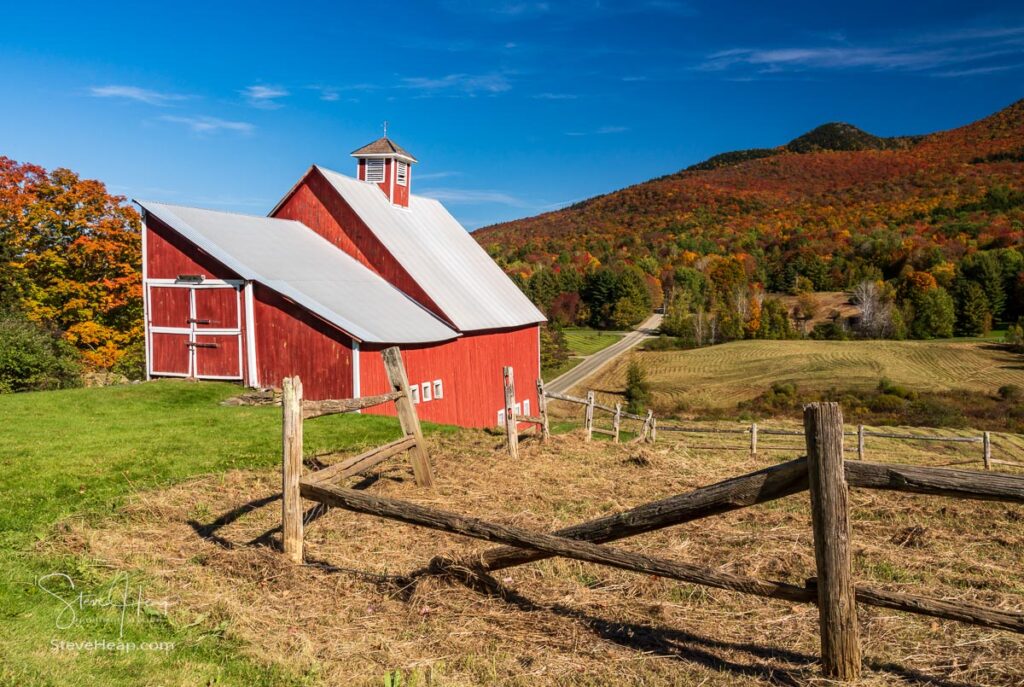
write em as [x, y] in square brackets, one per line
[348, 618]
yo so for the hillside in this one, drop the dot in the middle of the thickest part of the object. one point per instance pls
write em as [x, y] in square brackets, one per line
[825, 204]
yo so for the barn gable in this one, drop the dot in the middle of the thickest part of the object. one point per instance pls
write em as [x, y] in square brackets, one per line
[294, 261]
[461, 282]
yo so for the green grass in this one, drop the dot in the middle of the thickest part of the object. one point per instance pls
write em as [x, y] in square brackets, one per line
[549, 373]
[585, 341]
[80, 453]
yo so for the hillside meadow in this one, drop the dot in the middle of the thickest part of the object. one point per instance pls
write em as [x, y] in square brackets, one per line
[722, 376]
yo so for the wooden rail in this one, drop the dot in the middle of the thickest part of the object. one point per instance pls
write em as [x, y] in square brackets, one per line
[647, 430]
[312, 409]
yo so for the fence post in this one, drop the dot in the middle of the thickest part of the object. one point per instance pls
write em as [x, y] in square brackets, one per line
[511, 419]
[860, 442]
[291, 468]
[753, 438]
[645, 432]
[837, 608]
[588, 420]
[654, 428]
[617, 421]
[407, 416]
[542, 409]
[986, 441]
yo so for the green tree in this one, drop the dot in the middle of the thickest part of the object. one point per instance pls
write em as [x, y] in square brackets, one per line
[973, 316]
[775, 322]
[638, 389]
[33, 358]
[934, 314]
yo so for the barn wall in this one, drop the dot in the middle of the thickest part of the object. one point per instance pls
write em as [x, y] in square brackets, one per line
[169, 254]
[316, 203]
[291, 341]
[470, 369]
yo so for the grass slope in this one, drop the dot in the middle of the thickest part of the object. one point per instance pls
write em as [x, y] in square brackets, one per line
[78, 454]
[585, 341]
[721, 376]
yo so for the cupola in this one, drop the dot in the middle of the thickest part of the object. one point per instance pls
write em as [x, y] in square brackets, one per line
[388, 165]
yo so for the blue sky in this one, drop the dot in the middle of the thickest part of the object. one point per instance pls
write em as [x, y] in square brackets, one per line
[513, 108]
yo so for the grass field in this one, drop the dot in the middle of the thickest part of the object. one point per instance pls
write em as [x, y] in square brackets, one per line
[75, 456]
[585, 341]
[721, 376]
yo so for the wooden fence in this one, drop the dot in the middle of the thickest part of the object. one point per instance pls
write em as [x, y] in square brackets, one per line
[295, 411]
[648, 429]
[862, 433]
[824, 473]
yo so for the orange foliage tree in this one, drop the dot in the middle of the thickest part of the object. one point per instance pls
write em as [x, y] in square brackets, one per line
[73, 258]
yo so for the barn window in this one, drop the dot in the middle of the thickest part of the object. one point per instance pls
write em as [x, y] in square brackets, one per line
[438, 389]
[375, 170]
[414, 391]
[526, 407]
[501, 418]
[426, 391]
[519, 410]
[401, 173]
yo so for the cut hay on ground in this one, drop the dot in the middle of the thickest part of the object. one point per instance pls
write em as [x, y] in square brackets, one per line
[344, 620]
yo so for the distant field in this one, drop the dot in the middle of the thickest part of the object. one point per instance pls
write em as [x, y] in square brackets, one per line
[721, 376]
[585, 341]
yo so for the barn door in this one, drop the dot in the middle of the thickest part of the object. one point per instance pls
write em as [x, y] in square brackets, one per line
[195, 331]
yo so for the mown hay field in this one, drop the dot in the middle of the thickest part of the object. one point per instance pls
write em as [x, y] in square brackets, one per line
[722, 376]
[348, 618]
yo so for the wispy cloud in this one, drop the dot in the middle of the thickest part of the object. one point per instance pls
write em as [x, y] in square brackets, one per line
[458, 196]
[202, 124]
[555, 96]
[600, 131]
[918, 53]
[510, 10]
[436, 175]
[978, 71]
[467, 84]
[142, 95]
[264, 97]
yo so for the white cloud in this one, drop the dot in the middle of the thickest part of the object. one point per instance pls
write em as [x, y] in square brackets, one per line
[556, 96]
[600, 131]
[464, 195]
[142, 95]
[202, 124]
[469, 84]
[264, 97]
[436, 175]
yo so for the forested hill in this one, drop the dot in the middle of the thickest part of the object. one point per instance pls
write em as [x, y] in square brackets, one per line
[834, 205]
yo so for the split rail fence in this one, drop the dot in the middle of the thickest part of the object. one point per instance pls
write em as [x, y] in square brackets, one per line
[984, 440]
[295, 412]
[824, 473]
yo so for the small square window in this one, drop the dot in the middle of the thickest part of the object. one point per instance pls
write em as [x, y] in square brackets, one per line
[426, 391]
[438, 389]
[414, 392]
[375, 170]
[501, 418]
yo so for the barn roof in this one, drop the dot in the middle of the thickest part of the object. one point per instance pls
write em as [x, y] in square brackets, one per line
[440, 255]
[290, 258]
[383, 146]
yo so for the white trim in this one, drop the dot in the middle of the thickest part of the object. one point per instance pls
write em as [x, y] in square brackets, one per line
[205, 284]
[356, 371]
[398, 156]
[438, 390]
[425, 391]
[250, 336]
[391, 178]
[145, 301]
[403, 165]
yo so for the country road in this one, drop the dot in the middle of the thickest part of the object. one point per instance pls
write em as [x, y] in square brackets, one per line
[595, 362]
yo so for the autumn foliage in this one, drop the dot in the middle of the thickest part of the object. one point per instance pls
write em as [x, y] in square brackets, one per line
[70, 259]
[912, 213]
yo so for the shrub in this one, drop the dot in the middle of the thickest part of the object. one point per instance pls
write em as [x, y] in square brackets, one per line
[132, 363]
[1010, 392]
[934, 412]
[34, 359]
[886, 403]
[885, 386]
[638, 389]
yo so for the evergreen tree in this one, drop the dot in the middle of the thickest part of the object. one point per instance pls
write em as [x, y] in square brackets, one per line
[973, 316]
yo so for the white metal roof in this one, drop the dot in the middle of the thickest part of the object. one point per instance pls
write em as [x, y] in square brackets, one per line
[292, 259]
[440, 255]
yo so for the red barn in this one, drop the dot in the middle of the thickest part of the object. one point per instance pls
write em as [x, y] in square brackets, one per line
[343, 268]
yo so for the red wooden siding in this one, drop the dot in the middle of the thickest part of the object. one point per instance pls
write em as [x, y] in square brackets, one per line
[217, 355]
[169, 254]
[169, 354]
[470, 370]
[168, 307]
[315, 203]
[291, 341]
[401, 196]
